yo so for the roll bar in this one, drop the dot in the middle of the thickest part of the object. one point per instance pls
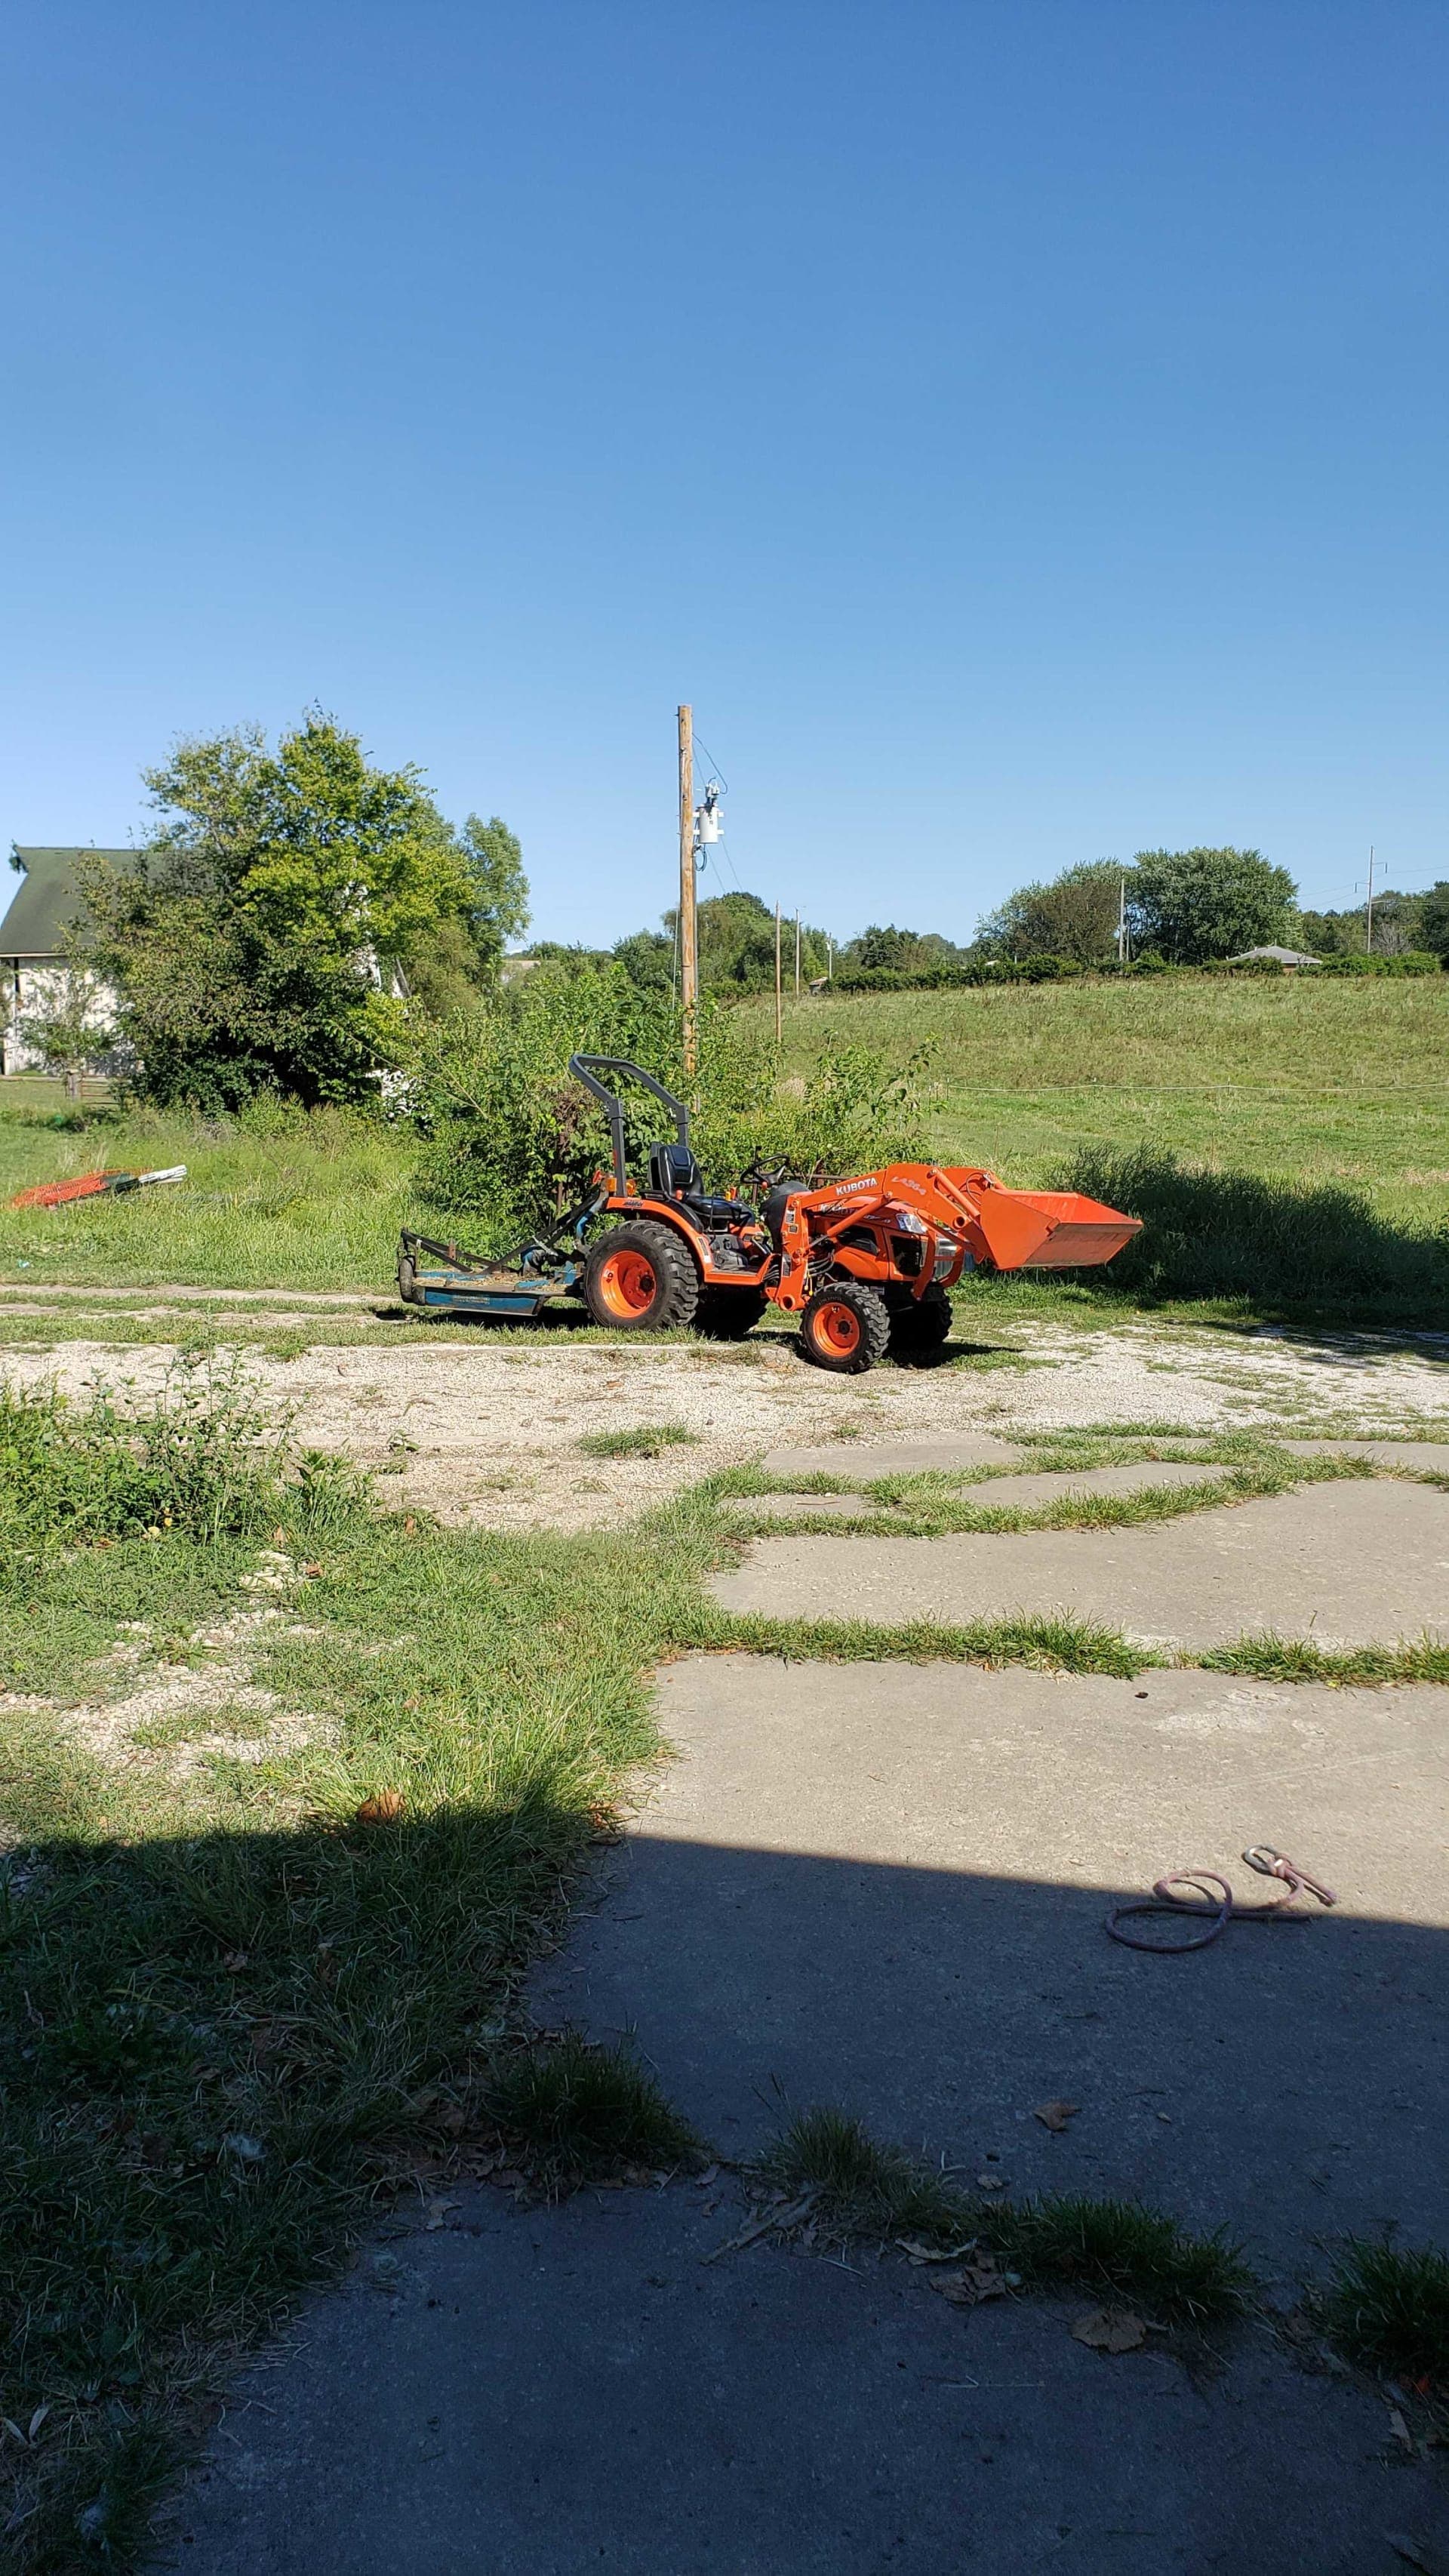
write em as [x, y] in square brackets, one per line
[587, 1068]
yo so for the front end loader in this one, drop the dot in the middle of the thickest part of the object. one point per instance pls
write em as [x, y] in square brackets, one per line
[867, 1264]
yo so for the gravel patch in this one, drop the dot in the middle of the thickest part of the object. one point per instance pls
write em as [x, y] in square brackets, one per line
[483, 1434]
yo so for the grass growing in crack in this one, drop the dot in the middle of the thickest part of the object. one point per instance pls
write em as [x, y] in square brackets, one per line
[862, 2189]
[646, 1441]
[573, 2113]
[933, 1506]
[1118, 2246]
[1388, 2307]
[1043, 1645]
[1270, 1658]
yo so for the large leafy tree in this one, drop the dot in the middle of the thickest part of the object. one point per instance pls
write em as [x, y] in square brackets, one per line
[1192, 905]
[284, 904]
[1074, 916]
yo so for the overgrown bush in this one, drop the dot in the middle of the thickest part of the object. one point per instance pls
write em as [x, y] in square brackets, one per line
[207, 1460]
[1274, 1244]
[512, 1141]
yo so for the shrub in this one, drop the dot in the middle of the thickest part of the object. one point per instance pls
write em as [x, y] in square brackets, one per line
[512, 1142]
[1414, 961]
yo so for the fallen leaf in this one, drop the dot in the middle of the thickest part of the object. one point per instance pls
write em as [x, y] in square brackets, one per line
[990, 2182]
[931, 2254]
[235, 1960]
[439, 2213]
[383, 1808]
[972, 2282]
[277, 1537]
[1399, 2429]
[248, 2151]
[453, 2118]
[311, 1569]
[1055, 2115]
[409, 1523]
[709, 2175]
[36, 2420]
[1110, 2330]
[788, 2216]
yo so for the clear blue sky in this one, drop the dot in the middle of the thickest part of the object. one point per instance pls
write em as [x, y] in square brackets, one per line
[1019, 428]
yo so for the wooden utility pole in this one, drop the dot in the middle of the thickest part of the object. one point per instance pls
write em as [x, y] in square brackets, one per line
[779, 1030]
[688, 953]
[797, 957]
[1369, 939]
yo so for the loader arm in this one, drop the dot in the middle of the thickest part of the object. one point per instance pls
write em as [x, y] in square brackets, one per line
[1001, 1229]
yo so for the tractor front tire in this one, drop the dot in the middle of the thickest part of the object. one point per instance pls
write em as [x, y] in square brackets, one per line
[727, 1314]
[845, 1328]
[921, 1324]
[641, 1279]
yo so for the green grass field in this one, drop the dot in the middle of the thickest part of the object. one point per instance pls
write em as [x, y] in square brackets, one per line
[1285, 1101]
[1287, 1079]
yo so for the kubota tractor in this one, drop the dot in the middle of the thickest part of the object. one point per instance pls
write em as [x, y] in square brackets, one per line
[865, 1263]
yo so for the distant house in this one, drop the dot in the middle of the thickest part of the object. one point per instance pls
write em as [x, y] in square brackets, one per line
[1274, 957]
[32, 961]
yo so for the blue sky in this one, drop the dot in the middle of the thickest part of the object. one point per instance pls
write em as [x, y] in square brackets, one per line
[1018, 428]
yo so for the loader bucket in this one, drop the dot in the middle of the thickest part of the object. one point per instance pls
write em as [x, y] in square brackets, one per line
[1051, 1229]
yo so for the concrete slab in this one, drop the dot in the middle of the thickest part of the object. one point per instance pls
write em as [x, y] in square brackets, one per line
[577, 2388]
[1348, 1564]
[884, 1885]
[861, 1461]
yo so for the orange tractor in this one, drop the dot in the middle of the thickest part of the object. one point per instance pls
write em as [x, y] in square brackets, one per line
[866, 1264]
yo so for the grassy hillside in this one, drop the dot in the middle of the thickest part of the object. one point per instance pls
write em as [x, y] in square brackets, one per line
[1343, 1083]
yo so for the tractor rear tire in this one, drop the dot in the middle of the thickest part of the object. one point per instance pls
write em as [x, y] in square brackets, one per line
[641, 1279]
[845, 1328]
[921, 1324]
[727, 1314]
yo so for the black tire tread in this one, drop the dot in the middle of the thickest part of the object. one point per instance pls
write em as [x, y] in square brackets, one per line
[673, 1264]
[923, 1324]
[875, 1327]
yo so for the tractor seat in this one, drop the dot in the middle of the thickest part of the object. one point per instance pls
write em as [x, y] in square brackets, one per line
[674, 1174]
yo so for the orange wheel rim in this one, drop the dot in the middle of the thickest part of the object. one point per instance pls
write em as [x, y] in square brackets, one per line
[838, 1328]
[627, 1284]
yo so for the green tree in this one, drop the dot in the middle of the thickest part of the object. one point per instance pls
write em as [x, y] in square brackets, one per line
[1434, 918]
[281, 909]
[1192, 905]
[1074, 916]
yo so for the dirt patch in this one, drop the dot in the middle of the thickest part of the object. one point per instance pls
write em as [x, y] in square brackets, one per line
[177, 1714]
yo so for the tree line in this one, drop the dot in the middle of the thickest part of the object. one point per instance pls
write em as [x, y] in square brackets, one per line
[295, 915]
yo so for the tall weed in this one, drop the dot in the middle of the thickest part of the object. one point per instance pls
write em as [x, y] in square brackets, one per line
[208, 1459]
